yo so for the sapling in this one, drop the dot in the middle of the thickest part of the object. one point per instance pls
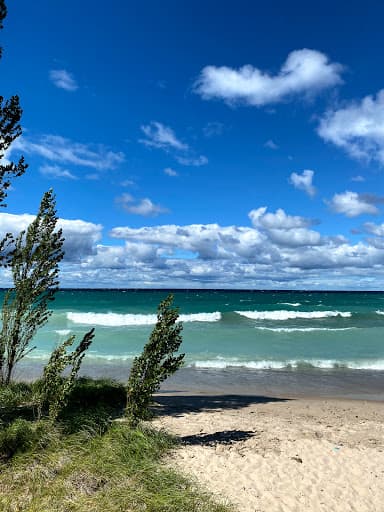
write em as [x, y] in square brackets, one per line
[156, 362]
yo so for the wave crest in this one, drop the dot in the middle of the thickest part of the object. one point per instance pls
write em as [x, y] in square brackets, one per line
[129, 319]
[322, 364]
[288, 315]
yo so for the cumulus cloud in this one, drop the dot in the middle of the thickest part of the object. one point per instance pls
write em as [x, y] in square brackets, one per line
[278, 251]
[352, 204]
[63, 80]
[374, 229]
[80, 236]
[305, 72]
[61, 150]
[303, 181]
[265, 255]
[55, 171]
[144, 207]
[163, 137]
[278, 220]
[357, 128]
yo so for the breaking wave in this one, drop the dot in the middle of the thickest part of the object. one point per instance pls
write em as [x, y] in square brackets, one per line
[324, 364]
[303, 329]
[63, 332]
[288, 315]
[120, 320]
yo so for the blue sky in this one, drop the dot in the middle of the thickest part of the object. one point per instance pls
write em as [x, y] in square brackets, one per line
[203, 144]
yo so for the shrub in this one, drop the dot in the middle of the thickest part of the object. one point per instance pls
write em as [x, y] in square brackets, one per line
[54, 387]
[156, 362]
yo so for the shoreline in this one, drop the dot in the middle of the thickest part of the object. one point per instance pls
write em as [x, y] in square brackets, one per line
[338, 383]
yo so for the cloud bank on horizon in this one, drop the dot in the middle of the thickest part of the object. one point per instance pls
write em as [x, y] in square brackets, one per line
[204, 168]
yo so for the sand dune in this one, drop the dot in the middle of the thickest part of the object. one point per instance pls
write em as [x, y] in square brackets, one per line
[282, 455]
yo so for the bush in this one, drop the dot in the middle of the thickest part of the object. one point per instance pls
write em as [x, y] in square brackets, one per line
[18, 436]
[156, 362]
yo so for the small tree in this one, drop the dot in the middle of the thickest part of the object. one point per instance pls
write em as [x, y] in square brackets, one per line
[34, 264]
[10, 129]
[156, 362]
[55, 389]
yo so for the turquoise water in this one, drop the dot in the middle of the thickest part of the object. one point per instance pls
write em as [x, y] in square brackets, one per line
[223, 329]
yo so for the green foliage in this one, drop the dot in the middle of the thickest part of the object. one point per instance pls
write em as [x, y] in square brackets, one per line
[34, 266]
[118, 470]
[18, 436]
[10, 129]
[55, 388]
[88, 393]
[15, 395]
[156, 362]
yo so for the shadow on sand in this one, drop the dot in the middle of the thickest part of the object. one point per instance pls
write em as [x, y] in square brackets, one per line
[177, 405]
[226, 437]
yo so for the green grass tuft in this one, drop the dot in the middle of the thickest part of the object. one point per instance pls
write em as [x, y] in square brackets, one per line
[88, 462]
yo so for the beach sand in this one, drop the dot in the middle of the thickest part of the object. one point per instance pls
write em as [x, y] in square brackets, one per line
[277, 454]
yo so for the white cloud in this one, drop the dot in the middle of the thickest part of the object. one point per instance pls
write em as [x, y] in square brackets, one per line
[192, 161]
[57, 149]
[63, 80]
[352, 204]
[278, 220]
[163, 137]
[303, 181]
[170, 172]
[55, 171]
[358, 179]
[305, 72]
[80, 236]
[374, 229]
[358, 128]
[144, 207]
[270, 144]
[278, 251]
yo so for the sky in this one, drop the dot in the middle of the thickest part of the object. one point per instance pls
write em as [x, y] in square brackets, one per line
[202, 144]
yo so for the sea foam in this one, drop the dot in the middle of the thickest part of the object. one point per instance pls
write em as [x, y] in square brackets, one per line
[128, 319]
[303, 329]
[63, 332]
[323, 364]
[288, 315]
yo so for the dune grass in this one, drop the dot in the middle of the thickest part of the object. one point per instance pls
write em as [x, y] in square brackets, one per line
[92, 460]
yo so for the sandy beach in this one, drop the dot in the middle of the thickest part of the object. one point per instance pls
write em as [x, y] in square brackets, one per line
[265, 454]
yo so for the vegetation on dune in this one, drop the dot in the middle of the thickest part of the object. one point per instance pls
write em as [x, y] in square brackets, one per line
[65, 444]
[89, 462]
[156, 362]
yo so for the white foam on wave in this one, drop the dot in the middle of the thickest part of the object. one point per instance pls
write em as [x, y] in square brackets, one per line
[294, 304]
[379, 312]
[324, 364]
[303, 329]
[288, 315]
[128, 319]
[201, 317]
[63, 332]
